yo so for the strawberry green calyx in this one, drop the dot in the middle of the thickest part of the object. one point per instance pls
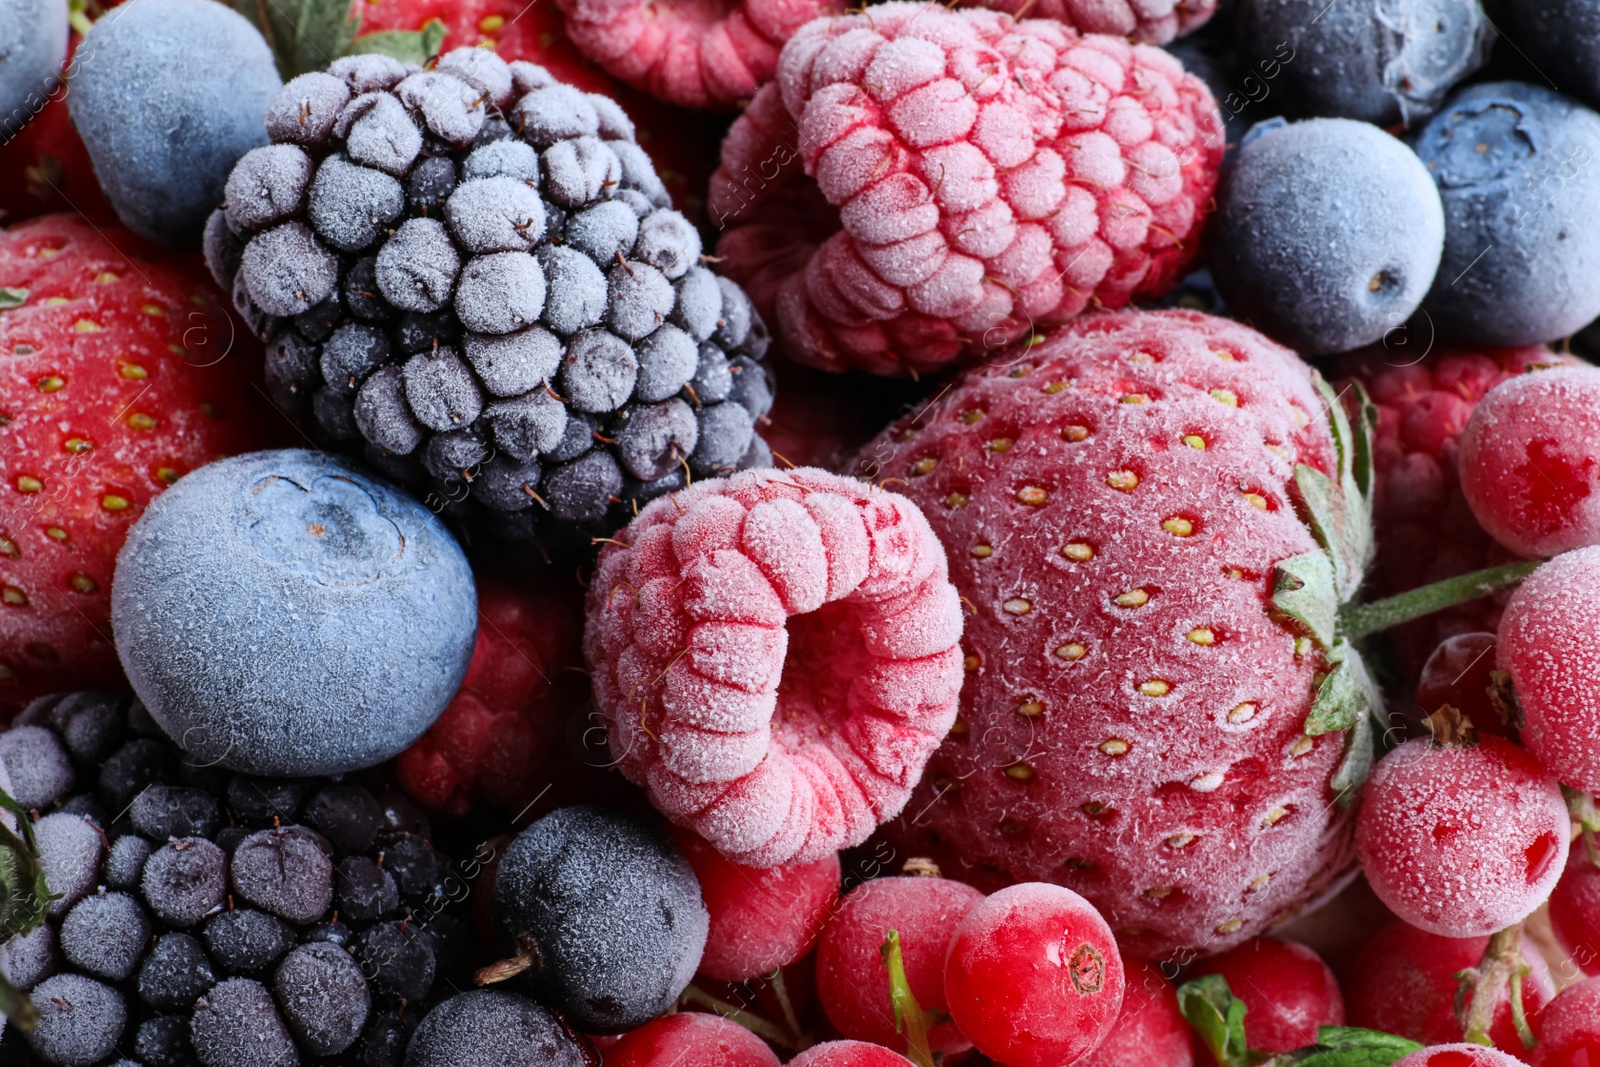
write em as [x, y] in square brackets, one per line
[310, 34]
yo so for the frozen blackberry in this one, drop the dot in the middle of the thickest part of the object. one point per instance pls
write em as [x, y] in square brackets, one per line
[214, 918]
[473, 276]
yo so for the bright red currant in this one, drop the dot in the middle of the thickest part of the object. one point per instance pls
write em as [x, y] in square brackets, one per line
[1458, 673]
[1458, 1055]
[690, 1039]
[1575, 910]
[849, 1054]
[1287, 989]
[1034, 977]
[1150, 1030]
[1571, 1035]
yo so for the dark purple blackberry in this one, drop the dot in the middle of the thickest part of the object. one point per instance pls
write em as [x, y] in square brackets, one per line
[473, 276]
[211, 918]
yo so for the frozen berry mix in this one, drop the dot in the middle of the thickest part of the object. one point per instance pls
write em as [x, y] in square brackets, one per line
[1288, 992]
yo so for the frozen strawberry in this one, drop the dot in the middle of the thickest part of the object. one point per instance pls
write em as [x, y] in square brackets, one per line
[709, 55]
[1150, 717]
[979, 177]
[1425, 530]
[775, 655]
[1530, 461]
[1288, 992]
[1146, 21]
[504, 735]
[123, 370]
[1551, 649]
[1150, 1030]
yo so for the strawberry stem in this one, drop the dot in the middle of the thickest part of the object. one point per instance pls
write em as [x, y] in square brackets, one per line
[1362, 620]
[909, 1019]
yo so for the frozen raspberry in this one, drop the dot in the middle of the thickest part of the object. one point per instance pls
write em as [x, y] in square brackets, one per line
[1425, 530]
[1135, 723]
[1575, 909]
[979, 176]
[1404, 982]
[1549, 646]
[712, 55]
[1458, 1055]
[501, 737]
[1530, 461]
[1459, 673]
[1145, 21]
[761, 918]
[848, 1054]
[852, 977]
[1571, 1034]
[1034, 977]
[690, 1039]
[1287, 989]
[1150, 1030]
[775, 655]
[1460, 838]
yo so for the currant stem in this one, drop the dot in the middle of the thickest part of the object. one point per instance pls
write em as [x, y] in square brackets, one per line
[1478, 994]
[1362, 620]
[910, 1020]
[786, 1005]
[763, 1029]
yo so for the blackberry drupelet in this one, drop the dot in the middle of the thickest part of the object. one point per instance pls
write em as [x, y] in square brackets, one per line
[216, 918]
[472, 274]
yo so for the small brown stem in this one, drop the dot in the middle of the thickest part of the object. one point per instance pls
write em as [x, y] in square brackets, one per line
[527, 960]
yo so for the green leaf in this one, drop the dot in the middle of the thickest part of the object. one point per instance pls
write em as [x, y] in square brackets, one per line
[322, 33]
[1351, 1046]
[1356, 764]
[1365, 429]
[1346, 695]
[415, 46]
[12, 298]
[1217, 1016]
[1303, 589]
[1338, 503]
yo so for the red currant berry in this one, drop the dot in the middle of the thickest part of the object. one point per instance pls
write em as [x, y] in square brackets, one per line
[849, 1054]
[1404, 982]
[1462, 838]
[1034, 977]
[1150, 1030]
[1571, 1035]
[690, 1039]
[1551, 648]
[1458, 673]
[1457, 1056]
[761, 918]
[1287, 989]
[852, 977]
[1575, 910]
[1530, 461]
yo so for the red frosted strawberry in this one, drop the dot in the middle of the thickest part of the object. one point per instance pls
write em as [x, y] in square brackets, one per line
[922, 186]
[121, 370]
[1425, 530]
[1152, 518]
[683, 144]
[504, 736]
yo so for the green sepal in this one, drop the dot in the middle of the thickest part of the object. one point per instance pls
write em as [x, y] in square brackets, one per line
[1303, 589]
[1356, 764]
[1347, 1046]
[1338, 505]
[304, 35]
[408, 46]
[1217, 1016]
[12, 298]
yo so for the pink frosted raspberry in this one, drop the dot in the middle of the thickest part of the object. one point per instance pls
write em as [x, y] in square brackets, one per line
[1530, 461]
[775, 655]
[979, 176]
[1147, 21]
[710, 54]
[1136, 721]
[1462, 837]
[1549, 645]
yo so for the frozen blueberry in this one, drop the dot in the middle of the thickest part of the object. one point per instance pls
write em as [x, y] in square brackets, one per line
[236, 1025]
[492, 1026]
[33, 44]
[164, 811]
[1328, 235]
[31, 957]
[306, 108]
[500, 292]
[286, 871]
[70, 848]
[246, 941]
[598, 371]
[37, 765]
[497, 214]
[527, 425]
[351, 206]
[611, 907]
[1515, 166]
[80, 1020]
[287, 270]
[575, 293]
[144, 83]
[125, 861]
[1562, 37]
[1382, 62]
[361, 612]
[185, 880]
[656, 437]
[417, 267]
[323, 997]
[267, 185]
[174, 973]
[726, 431]
[347, 815]
[582, 491]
